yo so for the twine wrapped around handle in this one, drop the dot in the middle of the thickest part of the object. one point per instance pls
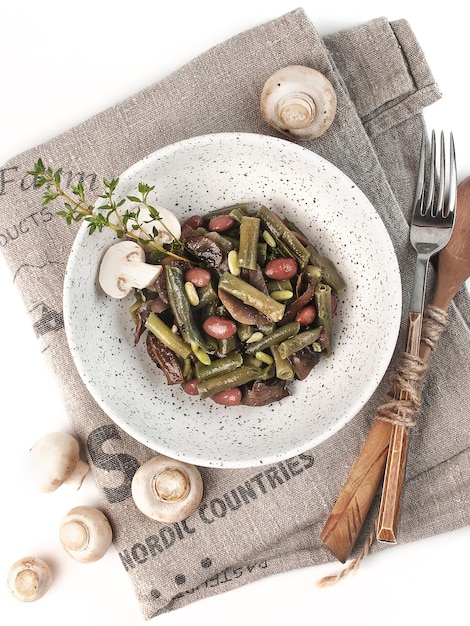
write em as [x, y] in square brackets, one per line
[407, 376]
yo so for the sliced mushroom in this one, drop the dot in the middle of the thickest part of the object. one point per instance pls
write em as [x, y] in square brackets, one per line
[243, 313]
[167, 490]
[29, 578]
[55, 460]
[85, 534]
[123, 268]
[164, 230]
[298, 101]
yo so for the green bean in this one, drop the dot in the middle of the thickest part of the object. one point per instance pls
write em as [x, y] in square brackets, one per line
[243, 206]
[284, 369]
[284, 236]
[244, 331]
[207, 295]
[218, 366]
[225, 346]
[324, 314]
[187, 368]
[238, 212]
[163, 332]
[299, 341]
[266, 329]
[251, 296]
[278, 285]
[262, 254]
[330, 274]
[249, 235]
[225, 243]
[280, 334]
[229, 380]
[252, 361]
[181, 307]
[313, 273]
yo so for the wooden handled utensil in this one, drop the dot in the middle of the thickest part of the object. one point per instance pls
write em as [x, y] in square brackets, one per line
[352, 506]
[431, 229]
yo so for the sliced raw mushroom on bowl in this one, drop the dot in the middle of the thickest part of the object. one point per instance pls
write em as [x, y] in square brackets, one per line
[123, 268]
[167, 490]
[55, 461]
[298, 101]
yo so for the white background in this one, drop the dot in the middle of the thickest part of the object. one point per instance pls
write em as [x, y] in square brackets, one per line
[60, 64]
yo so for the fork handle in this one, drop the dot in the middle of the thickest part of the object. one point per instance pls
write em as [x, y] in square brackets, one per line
[390, 504]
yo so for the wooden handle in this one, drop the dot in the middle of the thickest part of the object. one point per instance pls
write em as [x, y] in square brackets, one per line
[389, 513]
[352, 506]
[390, 504]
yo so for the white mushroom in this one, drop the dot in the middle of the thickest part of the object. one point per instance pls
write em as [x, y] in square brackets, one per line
[167, 490]
[123, 268]
[85, 534]
[55, 460]
[164, 230]
[298, 101]
[29, 578]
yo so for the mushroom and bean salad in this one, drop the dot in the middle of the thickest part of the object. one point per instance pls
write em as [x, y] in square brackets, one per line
[245, 309]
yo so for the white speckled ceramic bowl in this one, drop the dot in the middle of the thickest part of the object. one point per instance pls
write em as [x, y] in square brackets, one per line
[198, 175]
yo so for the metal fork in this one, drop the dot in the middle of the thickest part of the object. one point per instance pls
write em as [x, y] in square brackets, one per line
[431, 228]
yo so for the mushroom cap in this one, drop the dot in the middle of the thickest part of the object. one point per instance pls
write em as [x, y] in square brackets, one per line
[168, 228]
[55, 459]
[29, 578]
[298, 101]
[85, 534]
[123, 268]
[167, 490]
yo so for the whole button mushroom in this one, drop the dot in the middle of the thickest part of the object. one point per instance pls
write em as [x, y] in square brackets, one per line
[167, 490]
[55, 460]
[85, 534]
[29, 578]
[298, 101]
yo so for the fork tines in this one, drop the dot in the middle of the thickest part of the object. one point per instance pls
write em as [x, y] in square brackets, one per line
[446, 185]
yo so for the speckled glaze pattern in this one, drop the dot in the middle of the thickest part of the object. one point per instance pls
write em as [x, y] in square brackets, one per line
[198, 175]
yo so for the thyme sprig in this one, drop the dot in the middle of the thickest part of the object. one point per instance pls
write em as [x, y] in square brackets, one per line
[108, 214]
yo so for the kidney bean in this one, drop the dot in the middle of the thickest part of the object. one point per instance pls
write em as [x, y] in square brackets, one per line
[229, 397]
[219, 327]
[220, 223]
[306, 315]
[281, 269]
[195, 221]
[191, 387]
[198, 276]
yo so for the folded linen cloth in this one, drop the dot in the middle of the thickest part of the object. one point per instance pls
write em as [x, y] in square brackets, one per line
[258, 521]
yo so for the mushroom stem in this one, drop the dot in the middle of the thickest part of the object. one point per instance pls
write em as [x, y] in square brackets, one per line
[171, 485]
[296, 110]
[29, 578]
[55, 460]
[167, 490]
[85, 534]
[77, 475]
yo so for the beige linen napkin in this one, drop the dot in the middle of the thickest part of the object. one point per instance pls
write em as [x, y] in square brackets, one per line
[253, 522]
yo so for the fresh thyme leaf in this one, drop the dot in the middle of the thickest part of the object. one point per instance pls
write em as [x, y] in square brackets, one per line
[105, 216]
